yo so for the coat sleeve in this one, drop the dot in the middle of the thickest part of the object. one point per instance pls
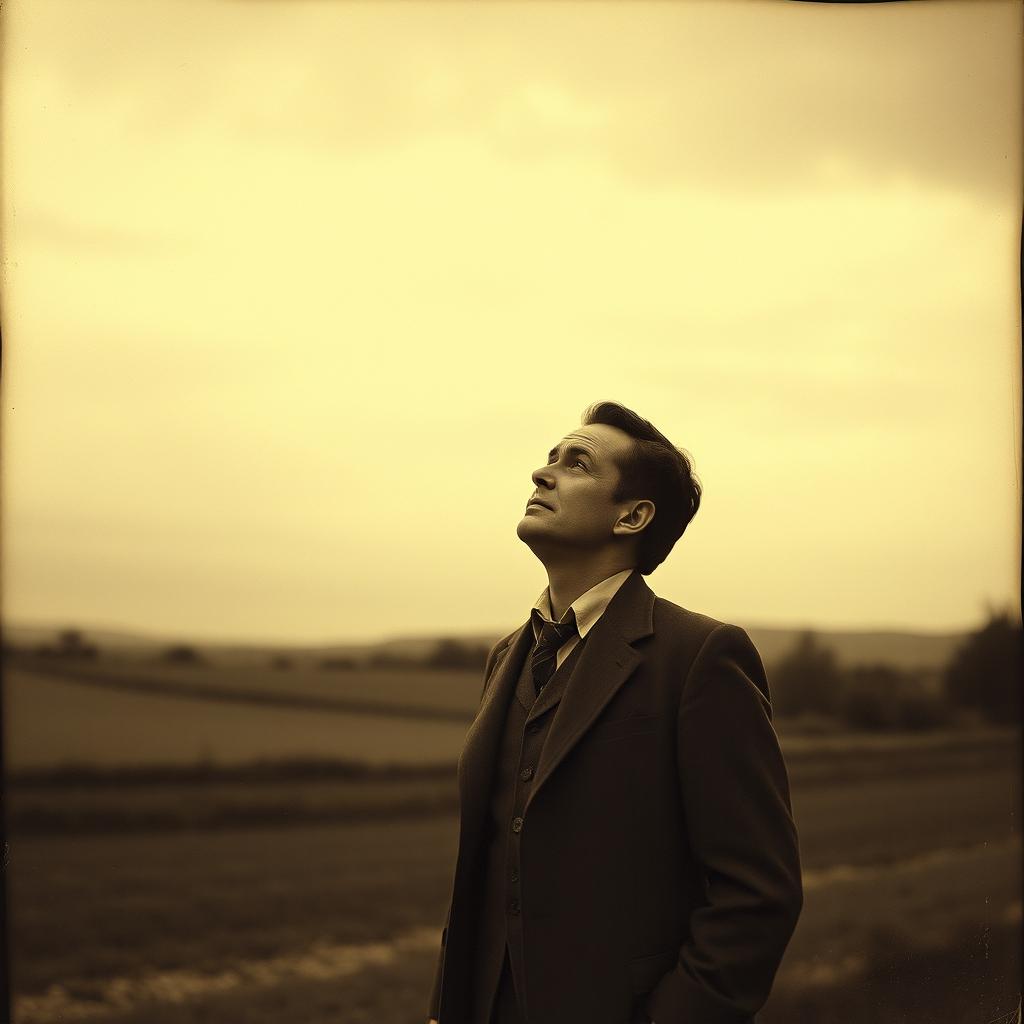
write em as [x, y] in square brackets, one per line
[740, 826]
[435, 994]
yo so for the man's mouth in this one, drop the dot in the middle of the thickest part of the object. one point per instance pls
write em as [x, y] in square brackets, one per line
[542, 504]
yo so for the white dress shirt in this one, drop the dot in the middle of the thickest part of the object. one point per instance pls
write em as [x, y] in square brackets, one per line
[587, 608]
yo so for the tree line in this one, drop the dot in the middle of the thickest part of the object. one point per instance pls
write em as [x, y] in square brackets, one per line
[981, 680]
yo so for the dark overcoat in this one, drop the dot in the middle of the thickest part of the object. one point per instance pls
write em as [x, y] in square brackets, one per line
[659, 867]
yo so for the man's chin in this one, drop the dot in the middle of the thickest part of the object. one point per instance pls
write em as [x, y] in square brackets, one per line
[529, 529]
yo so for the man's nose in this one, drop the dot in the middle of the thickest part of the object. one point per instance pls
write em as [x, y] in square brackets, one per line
[543, 477]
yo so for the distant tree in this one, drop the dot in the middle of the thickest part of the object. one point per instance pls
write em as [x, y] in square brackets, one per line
[69, 639]
[182, 654]
[985, 671]
[870, 697]
[385, 659]
[882, 696]
[923, 710]
[71, 644]
[281, 662]
[9, 648]
[338, 663]
[451, 653]
[807, 678]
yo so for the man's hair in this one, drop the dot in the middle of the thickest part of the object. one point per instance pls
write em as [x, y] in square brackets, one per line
[655, 470]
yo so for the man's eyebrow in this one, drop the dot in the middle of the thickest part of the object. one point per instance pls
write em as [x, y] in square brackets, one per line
[571, 449]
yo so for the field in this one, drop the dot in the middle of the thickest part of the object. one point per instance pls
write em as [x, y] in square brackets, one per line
[127, 713]
[112, 716]
[312, 890]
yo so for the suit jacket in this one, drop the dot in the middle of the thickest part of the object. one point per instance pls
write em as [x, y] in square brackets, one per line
[659, 865]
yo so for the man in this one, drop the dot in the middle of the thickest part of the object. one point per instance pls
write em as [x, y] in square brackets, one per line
[626, 848]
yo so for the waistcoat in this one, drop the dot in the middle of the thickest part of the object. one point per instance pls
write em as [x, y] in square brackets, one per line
[499, 924]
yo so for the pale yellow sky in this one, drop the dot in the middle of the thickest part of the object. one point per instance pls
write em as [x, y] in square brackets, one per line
[297, 294]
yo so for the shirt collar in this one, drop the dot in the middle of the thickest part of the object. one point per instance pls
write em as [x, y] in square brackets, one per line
[587, 608]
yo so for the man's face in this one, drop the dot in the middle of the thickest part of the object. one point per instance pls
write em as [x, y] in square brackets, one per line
[572, 505]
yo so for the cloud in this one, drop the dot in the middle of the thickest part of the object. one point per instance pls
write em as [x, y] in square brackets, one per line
[309, 267]
[99, 238]
[725, 96]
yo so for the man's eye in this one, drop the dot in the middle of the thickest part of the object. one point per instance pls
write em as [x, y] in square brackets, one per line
[580, 462]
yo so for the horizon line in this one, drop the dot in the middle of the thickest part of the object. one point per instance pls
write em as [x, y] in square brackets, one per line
[155, 635]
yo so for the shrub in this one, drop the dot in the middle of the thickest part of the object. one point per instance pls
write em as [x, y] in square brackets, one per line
[807, 678]
[985, 671]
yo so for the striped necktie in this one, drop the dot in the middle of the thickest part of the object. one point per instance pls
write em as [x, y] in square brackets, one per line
[552, 636]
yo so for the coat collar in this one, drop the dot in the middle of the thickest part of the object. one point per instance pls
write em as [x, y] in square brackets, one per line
[588, 607]
[606, 662]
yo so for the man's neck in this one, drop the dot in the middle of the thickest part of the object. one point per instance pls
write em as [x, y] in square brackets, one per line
[567, 581]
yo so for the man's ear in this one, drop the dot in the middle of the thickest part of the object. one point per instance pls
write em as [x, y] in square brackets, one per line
[638, 516]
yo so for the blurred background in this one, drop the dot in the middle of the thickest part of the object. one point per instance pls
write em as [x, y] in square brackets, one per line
[296, 295]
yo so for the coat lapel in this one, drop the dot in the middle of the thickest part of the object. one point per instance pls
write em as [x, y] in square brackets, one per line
[606, 662]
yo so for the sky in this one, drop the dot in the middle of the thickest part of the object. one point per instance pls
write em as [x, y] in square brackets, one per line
[296, 294]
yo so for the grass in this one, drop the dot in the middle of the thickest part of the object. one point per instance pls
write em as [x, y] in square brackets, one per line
[50, 720]
[393, 994]
[450, 693]
[975, 977]
[833, 793]
[88, 906]
[901, 984]
[296, 833]
[929, 944]
[113, 809]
